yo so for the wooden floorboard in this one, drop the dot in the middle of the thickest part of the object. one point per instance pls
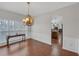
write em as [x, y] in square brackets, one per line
[32, 47]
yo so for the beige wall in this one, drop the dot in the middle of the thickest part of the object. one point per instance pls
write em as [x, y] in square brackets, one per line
[10, 15]
[71, 26]
[70, 17]
[42, 28]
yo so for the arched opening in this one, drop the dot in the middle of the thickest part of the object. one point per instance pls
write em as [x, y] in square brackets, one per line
[57, 30]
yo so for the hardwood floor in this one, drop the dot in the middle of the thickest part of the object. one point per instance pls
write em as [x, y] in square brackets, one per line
[32, 47]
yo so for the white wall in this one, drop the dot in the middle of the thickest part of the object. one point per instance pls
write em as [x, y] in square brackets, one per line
[9, 16]
[41, 29]
[71, 29]
[78, 46]
[70, 17]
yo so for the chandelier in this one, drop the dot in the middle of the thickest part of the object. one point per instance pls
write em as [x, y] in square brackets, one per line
[28, 20]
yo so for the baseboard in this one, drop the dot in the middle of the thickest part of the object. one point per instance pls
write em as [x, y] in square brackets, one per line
[70, 51]
[45, 38]
[42, 42]
[12, 43]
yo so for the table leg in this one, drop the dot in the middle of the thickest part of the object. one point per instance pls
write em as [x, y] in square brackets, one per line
[8, 42]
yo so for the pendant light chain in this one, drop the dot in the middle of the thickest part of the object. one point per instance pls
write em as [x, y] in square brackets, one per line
[28, 7]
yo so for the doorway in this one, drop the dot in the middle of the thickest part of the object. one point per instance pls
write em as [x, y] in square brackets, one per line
[57, 31]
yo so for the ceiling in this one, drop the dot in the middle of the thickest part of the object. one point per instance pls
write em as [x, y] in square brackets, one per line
[36, 8]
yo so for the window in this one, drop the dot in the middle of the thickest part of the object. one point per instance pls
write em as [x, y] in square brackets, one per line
[10, 27]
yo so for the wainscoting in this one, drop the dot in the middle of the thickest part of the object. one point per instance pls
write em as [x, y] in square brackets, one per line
[71, 44]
